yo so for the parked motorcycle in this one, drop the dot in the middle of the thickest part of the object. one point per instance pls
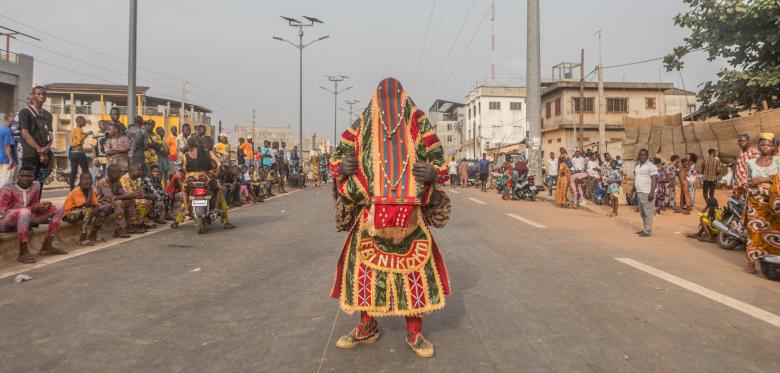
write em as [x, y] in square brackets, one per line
[525, 188]
[201, 203]
[731, 229]
[62, 175]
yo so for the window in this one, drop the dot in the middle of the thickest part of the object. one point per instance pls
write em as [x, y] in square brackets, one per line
[549, 141]
[588, 104]
[548, 109]
[691, 108]
[479, 106]
[469, 112]
[557, 106]
[559, 140]
[541, 122]
[494, 105]
[650, 103]
[449, 126]
[516, 105]
[617, 105]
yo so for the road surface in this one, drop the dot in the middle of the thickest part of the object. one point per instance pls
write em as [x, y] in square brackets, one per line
[535, 289]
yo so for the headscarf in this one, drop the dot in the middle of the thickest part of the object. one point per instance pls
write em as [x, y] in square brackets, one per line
[767, 136]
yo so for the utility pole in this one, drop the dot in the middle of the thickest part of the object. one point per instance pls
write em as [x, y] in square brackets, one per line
[602, 127]
[219, 128]
[351, 113]
[253, 125]
[493, 41]
[582, 99]
[131, 62]
[181, 108]
[533, 78]
[336, 79]
[300, 45]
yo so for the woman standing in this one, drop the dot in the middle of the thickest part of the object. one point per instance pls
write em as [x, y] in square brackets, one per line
[685, 201]
[660, 189]
[463, 173]
[763, 200]
[117, 147]
[564, 174]
[691, 176]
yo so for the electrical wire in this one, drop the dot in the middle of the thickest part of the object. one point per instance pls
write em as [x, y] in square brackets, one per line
[465, 50]
[452, 47]
[425, 39]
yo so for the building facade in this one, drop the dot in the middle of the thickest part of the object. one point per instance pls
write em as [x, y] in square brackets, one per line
[447, 118]
[16, 81]
[494, 116]
[561, 116]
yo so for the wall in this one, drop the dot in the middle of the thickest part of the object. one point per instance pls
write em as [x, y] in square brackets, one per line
[494, 127]
[18, 74]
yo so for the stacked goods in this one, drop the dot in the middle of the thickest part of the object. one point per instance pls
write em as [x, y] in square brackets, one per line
[705, 136]
[692, 144]
[727, 140]
[678, 140]
[770, 121]
[667, 142]
[750, 125]
[654, 143]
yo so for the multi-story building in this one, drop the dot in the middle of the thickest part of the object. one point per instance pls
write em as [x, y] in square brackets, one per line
[495, 116]
[561, 104]
[66, 101]
[447, 119]
[16, 81]
[260, 134]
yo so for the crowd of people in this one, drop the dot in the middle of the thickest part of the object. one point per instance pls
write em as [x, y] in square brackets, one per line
[660, 186]
[136, 173]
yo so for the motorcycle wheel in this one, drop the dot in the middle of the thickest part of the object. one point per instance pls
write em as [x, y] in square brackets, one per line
[200, 223]
[726, 241]
[60, 178]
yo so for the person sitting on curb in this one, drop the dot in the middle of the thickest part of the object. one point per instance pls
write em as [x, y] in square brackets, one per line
[81, 205]
[113, 197]
[145, 203]
[21, 206]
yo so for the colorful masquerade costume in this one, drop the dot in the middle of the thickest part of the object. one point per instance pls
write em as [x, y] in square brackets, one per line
[390, 264]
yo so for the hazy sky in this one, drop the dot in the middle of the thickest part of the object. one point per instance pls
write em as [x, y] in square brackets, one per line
[225, 48]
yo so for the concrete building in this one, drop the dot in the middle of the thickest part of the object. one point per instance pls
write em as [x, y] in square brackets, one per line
[495, 116]
[560, 111]
[447, 118]
[264, 133]
[16, 81]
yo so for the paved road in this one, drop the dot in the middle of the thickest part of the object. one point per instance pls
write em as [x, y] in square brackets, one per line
[537, 291]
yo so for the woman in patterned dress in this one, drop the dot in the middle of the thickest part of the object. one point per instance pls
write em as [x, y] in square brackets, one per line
[763, 203]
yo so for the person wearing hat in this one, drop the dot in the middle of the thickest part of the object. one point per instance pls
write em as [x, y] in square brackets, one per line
[763, 199]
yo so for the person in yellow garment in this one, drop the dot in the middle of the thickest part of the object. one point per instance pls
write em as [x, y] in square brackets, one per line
[246, 147]
[144, 202]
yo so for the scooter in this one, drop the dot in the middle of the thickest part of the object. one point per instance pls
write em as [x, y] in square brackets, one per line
[201, 204]
[731, 230]
[525, 188]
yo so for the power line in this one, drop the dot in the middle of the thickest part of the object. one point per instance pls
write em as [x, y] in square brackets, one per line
[455, 68]
[454, 43]
[647, 60]
[425, 39]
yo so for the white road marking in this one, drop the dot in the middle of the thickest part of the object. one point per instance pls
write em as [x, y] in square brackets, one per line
[453, 191]
[527, 221]
[749, 309]
[478, 201]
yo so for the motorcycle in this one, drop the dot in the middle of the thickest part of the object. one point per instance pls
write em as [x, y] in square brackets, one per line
[201, 203]
[62, 175]
[731, 230]
[525, 188]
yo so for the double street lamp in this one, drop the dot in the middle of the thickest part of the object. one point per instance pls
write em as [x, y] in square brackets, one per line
[336, 79]
[301, 45]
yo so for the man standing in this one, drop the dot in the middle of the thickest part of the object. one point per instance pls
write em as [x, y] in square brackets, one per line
[295, 158]
[181, 142]
[35, 123]
[577, 162]
[453, 168]
[710, 170]
[645, 178]
[138, 140]
[240, 156]
[246, 148]
[388, 198]
[552, 172]
[173, 151]
[163, 154]
[740, 166]
[77, 156]
[21, 206]
[81, 205]
[114, 113]
[592, 170]
[484, 171]
[8, 153]
[463, 173]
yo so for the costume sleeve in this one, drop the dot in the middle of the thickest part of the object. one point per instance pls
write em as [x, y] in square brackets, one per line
[348, 188]
[430, 149]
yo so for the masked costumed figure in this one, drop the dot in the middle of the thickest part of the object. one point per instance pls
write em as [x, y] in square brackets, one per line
[386, 170]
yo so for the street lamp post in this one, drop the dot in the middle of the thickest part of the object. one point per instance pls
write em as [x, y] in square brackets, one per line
[336, 79]
[350, 103]
[131, 62]
[300, 25]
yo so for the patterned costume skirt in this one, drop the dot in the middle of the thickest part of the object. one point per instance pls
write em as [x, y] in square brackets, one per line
[763, 220]
[385, 278]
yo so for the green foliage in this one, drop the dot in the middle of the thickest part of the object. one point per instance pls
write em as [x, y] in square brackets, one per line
[744, 33]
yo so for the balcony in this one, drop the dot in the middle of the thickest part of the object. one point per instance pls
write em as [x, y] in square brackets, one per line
[8, 56]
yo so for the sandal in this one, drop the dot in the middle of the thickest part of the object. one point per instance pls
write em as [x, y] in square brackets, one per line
[86, 243]
[27, 258]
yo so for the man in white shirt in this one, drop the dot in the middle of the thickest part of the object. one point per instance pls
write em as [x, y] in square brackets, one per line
[453, 169]
[577, 162]
[645, 178]
[592, 169]
[552, 172]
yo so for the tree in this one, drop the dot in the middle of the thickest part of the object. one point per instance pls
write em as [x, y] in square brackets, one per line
[746, 34]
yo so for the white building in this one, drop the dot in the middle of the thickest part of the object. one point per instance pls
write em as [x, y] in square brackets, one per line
[447, 118]
[495, 116]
